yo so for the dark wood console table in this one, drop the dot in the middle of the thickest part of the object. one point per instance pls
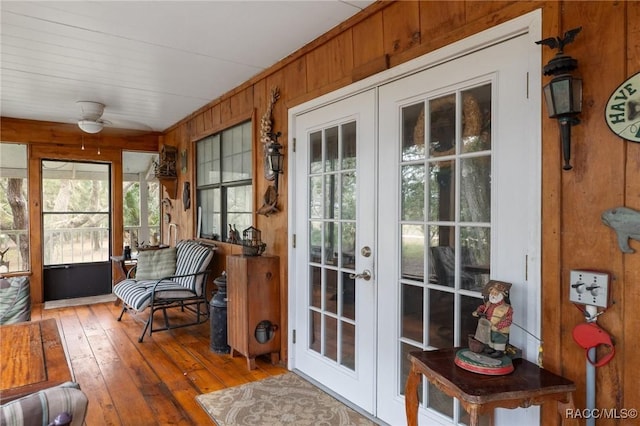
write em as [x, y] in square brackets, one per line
[478, 394]
[33, 359]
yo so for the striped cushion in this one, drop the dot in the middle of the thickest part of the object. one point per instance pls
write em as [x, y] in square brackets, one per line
[156, 264]
[137, 294]
[15, 300]
[192, 258]
[41, 408]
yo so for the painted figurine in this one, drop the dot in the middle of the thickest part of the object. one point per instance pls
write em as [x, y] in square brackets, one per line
[495, 318]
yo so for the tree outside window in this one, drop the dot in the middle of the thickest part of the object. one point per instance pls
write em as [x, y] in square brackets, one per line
[14, 212]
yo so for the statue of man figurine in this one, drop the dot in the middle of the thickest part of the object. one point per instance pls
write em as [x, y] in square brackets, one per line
[495, 318]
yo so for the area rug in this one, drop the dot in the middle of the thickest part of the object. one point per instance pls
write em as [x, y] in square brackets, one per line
[287, 399]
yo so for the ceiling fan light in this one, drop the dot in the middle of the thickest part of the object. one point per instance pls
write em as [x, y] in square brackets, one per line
[89, 126]
[91, 110]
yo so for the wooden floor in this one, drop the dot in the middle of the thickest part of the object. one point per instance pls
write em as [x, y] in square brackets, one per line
[150, 383]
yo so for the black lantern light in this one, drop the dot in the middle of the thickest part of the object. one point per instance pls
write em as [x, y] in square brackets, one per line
[563, 94]
[275, 157]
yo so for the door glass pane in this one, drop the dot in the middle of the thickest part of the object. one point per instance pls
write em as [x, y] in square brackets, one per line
[413, 189]
[440, 319]
[315, 284]
[331, 149]
[468, 322]
[332, 242]
[349, 146]
[405, 367]
[315, 325]
[442, 190]
[331, 197]
[348, 345]
[348, 296]
[412, 252]
[476, 109]
[475, 189]
[475, 250]
[412, 312]
[349, 245]
[443, 254]
[413, 127]
[331, 338]
[348, 187]
[442, 126]
[315, 197]
[76, 214]
[439, 401]
[315, 152]
[331, 292]
[315, 242]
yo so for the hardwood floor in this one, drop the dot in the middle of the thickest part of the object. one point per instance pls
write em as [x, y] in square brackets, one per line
[150, 383]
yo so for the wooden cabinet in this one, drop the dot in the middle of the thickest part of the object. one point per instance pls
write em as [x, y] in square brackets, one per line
[253, 307]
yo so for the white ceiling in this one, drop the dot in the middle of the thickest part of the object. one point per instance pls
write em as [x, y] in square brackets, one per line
[151, 63]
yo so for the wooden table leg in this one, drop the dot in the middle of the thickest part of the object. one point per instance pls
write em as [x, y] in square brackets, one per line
[411, 395]
[474, 415]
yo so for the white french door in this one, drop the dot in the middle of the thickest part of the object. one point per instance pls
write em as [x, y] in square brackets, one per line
[461, 207]
[428, 178]
[335, 241]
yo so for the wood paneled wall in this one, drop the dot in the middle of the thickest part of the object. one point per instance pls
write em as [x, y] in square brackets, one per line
[606, 169]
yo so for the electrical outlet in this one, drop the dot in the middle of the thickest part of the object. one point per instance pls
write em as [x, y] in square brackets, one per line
[589, 288]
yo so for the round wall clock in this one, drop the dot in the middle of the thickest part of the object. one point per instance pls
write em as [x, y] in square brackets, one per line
[623, 109]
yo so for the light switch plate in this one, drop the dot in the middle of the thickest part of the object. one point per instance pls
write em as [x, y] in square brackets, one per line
[589, 288]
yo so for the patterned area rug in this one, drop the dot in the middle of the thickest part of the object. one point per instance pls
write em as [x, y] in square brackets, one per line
[287, 399]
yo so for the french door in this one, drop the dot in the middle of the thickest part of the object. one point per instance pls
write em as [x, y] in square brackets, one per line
[335, 239]
[407, 197]
[461, 207]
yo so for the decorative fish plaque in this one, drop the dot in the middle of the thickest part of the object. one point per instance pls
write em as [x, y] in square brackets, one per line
[626, 223]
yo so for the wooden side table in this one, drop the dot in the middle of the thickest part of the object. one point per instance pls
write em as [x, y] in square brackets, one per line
[33, 358]
[478, 394]
[253, 307]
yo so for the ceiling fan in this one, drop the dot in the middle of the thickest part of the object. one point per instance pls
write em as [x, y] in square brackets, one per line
[90, 116]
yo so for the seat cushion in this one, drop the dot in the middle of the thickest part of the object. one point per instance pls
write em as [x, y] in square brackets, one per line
[137, 294]
[41, 408]
[156, 264]
[15, 300]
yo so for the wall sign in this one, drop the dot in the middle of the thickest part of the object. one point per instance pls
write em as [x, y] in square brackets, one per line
[623, 109]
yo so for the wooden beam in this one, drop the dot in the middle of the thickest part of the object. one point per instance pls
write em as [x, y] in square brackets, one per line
[48, 132]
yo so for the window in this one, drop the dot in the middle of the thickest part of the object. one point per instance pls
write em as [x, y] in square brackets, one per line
[141, 203]
[14, 208]
[224, 182]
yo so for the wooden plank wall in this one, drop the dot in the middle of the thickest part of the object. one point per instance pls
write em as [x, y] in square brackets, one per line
[605, 174]
[606, 169]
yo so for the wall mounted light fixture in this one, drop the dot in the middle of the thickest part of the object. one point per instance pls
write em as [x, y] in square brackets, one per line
[563, 94]
[275, 157]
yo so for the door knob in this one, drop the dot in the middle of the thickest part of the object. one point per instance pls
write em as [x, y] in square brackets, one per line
[365, 275]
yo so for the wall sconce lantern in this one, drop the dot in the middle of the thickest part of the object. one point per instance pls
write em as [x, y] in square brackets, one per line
[563, 94]
[275, 157]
